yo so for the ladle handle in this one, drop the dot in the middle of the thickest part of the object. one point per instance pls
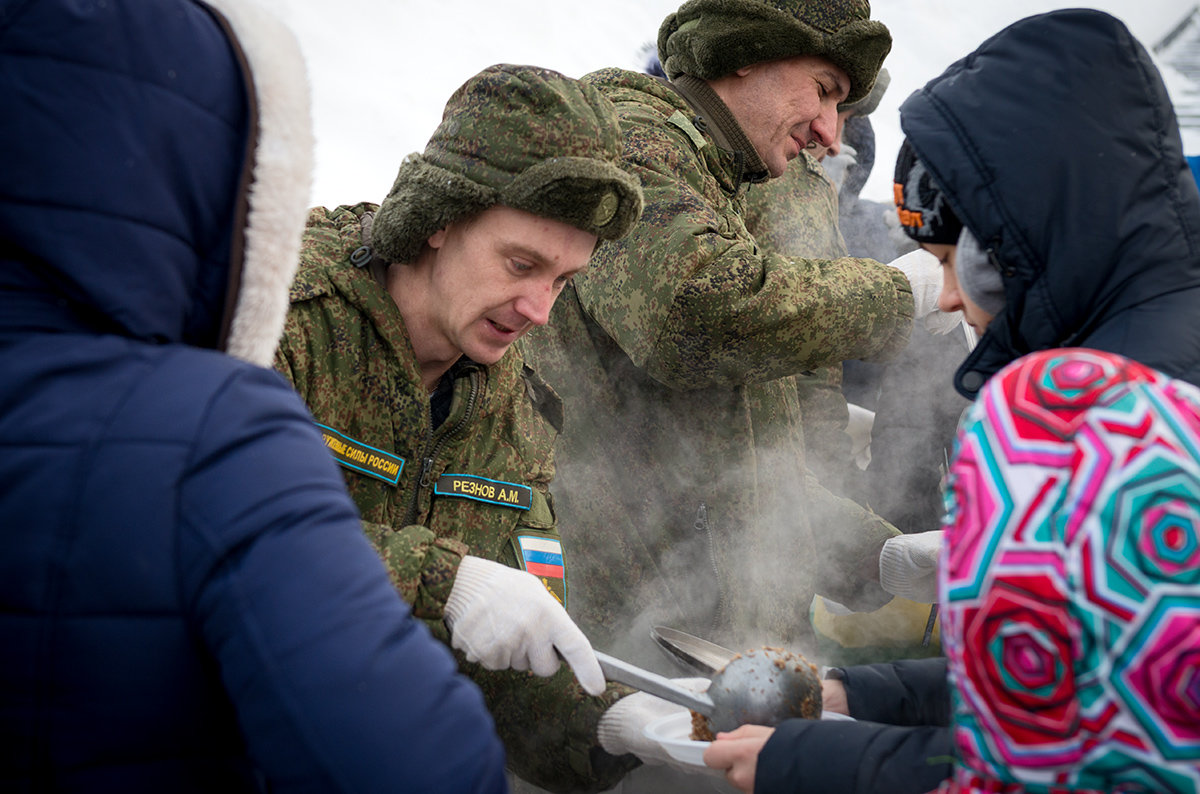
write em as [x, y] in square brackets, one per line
[653, 683]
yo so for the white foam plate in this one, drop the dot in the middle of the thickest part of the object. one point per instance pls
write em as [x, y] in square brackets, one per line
[672, 733]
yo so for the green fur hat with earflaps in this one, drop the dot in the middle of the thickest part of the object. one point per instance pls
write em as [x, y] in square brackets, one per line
[522, 137]
[712, 38]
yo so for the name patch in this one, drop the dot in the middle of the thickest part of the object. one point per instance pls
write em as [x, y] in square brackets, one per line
[481, 489]
[362, 457]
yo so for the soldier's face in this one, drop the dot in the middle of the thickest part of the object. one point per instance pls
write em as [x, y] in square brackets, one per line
[784, 105]
[493, 277]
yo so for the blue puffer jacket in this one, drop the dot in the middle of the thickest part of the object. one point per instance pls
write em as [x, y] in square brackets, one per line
[187, 602]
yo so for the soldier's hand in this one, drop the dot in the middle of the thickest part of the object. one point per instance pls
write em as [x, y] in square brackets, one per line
[505, 618]
[622, 726]
[908, 565]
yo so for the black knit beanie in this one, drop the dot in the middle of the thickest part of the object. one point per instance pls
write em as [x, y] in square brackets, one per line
[518, 136]
[712, 38]
[924, 212]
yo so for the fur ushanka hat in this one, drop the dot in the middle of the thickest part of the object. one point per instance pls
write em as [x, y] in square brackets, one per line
[518, 136]
[712, 38]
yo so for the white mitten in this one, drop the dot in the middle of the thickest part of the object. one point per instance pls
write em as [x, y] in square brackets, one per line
[908, 565]
[924, 274]
[622, 726]
[505, 618]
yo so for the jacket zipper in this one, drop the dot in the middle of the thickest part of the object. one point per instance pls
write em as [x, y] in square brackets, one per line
[432, 447]
[702, 525]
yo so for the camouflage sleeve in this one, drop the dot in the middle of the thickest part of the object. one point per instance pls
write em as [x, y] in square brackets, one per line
[745, 317]
[548, 726]
[851, 537]
[694, 301]
[421, 565]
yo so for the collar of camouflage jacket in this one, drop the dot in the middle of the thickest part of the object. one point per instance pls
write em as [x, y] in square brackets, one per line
[719, 121]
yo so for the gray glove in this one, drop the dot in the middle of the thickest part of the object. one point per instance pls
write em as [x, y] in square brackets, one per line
[924, 274]
[908, 566]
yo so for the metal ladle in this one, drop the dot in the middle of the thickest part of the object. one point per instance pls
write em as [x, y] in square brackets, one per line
[761, 687]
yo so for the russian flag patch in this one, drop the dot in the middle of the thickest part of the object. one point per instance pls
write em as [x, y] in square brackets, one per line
[542, 556]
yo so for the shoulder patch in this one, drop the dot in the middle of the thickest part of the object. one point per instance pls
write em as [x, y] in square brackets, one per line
[361, 457]
[542, 556]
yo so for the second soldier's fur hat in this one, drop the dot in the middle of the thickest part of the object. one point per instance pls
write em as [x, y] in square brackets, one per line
[712, 38]
[518, 136]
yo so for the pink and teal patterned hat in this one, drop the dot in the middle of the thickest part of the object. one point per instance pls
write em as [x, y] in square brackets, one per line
[1070, 586]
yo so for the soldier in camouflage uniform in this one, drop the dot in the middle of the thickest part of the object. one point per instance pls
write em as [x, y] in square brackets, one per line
[798, 215]
[683, 455]
[397, 339]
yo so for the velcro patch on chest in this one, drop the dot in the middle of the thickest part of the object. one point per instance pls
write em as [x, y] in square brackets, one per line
[361, 457]
[481, 489]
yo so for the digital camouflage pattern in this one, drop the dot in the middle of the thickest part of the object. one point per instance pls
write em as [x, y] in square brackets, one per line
[347, 352]
[796, 214]
[713, 38]
[682, 457]
[525, 137]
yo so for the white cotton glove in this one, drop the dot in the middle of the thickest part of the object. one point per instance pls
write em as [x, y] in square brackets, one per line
[505, 618]
[858, 427]
[622, 726]
[924, 274]
[908, 565]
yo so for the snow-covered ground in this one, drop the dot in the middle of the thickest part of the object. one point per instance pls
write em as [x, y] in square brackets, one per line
[382, 70]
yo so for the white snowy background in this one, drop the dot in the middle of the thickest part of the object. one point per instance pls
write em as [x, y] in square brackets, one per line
[381, 70]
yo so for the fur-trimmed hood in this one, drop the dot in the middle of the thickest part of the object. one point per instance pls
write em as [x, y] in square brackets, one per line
[156, 175]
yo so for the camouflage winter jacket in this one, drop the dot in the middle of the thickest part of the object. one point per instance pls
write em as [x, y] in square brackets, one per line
[478, 484]
[682, 458]
[796, 214]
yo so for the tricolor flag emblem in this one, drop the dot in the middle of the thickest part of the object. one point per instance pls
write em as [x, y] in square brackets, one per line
[543, 556]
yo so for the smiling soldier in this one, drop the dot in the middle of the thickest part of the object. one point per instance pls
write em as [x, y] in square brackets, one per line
[398, 340]
[679, 351]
